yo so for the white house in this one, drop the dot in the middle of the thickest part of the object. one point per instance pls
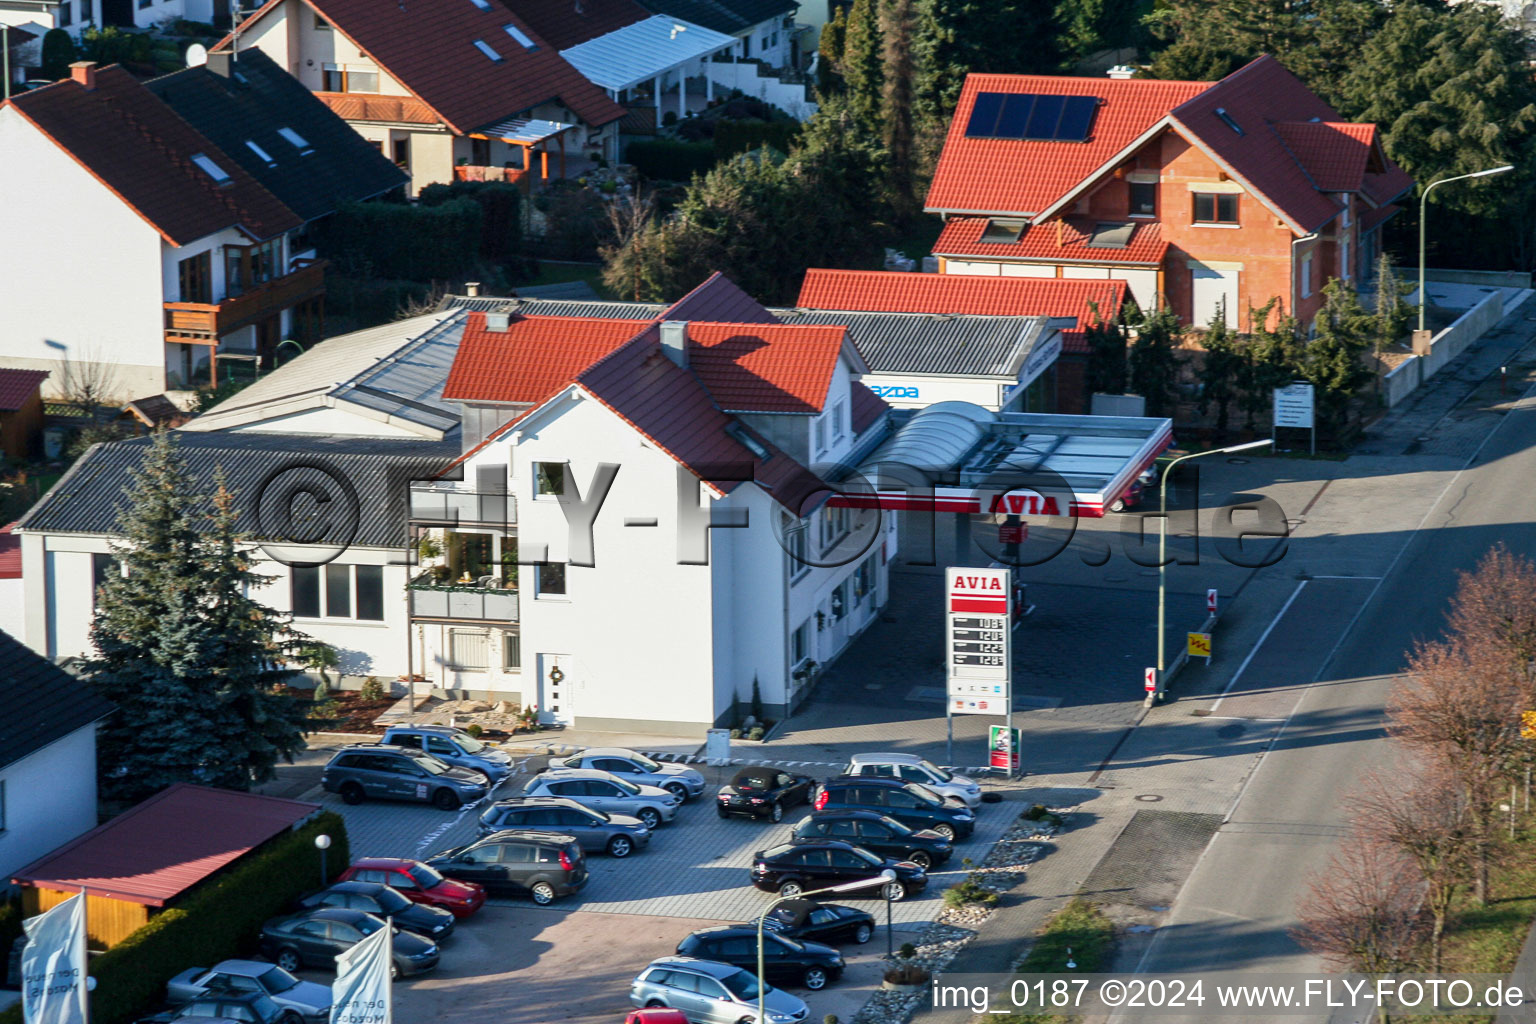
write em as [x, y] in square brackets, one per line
[47, 757]
[180, 207]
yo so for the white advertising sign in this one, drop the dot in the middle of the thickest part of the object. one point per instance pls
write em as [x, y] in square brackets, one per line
[53, 982]
[1293, 405]
[361, 993]
[978, 640]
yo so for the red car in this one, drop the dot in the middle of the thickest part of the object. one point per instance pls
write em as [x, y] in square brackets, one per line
[656, 1015]
[418, 883]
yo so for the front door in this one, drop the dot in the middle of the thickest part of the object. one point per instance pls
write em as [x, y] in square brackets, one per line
[555, 688]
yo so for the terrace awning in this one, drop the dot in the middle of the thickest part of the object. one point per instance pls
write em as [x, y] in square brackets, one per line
[640, 52]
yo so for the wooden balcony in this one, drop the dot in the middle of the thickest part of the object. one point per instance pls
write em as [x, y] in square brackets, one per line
[204, 323]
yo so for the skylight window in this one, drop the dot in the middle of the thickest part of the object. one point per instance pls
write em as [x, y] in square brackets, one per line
[298, 141]
[485, 48]
[521, 37]
[1226, 119]
[484, 5]
[261, 152]
[211, 169]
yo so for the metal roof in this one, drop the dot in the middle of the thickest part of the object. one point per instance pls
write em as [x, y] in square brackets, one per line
[89, 497]
[940, 343]
[532, 306]
[158, 850]
[640, 51]
[408, 384]
[43, 702]
[523, 130]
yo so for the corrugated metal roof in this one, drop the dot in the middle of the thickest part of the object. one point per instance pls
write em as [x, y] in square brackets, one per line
[158, 850]
[42, 702]
[989, 346]
[89, 497]
[640, 51]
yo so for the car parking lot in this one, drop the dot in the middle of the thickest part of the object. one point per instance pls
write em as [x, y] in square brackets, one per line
[574, 960]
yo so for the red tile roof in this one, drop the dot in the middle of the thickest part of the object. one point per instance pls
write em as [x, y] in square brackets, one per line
[18, 386]
[10, 554]
[355, 106]
[137, 146]
[867, 407]
[567, 23]
[893, 292]
[763, 368]
[1034, 178]
[1057, 241]
[721, 300]
[429, 47]
[533, 358]
[1025, 177]
[158, 850]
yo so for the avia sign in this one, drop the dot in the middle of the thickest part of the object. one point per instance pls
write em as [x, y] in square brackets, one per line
[1024, 502]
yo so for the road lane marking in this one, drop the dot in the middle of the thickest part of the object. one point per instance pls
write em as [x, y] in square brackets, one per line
[1255, 648]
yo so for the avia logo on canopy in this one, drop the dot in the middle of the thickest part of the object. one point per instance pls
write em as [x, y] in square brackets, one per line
[1024, 502]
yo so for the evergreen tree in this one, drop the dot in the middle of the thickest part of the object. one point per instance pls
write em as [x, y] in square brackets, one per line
[1221, 372]
[1344, 332]
[1393, 315]
[1271, 358]
[1085, 27]
[1106, 357]
[58, 54]
[1154, 363]
[1207, 40]
[896, 24]
[863, 66]
[186, 656]
[954, 38]
[829, 48]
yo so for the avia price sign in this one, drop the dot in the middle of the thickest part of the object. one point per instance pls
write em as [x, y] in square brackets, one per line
[978, 640]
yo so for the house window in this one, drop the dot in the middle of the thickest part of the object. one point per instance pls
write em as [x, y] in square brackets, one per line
[195, 277]
[864, 580]
[819, 432]
[297, 141]
[839, 421]
[834, 523]
[246, 266]
[795, 547]
[1143, 199]
[1306, 275]
[548, 479]
[321, 24]
[1215, 207]
[511, 652]
[339, 78]
[800, 643]
[551, 579]
[402, 153]
[480, 152]
[520, 37]
[346, 592]
[213, 170]
[467, 650]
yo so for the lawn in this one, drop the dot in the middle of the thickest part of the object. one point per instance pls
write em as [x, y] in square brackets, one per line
[563, 273]
[1081, 928]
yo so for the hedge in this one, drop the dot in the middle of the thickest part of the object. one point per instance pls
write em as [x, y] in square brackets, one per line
[501, 227]
[666, 160]
[396, 240]
[216, 923]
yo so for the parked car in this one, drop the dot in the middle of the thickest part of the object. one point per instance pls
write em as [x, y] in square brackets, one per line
[229, 1008]
[380, 900]
[607, 793]
[821, 922]
[618, 835]
[418, 883]
[679, 779]
[786, 961]
[877, 833]
[763, 793]
[907, 802]
[543, 865]
[1132, 497]
[315, 938]
[911, 768]
[712, 993]
[794, 868]
[399, 773]
[453, 747]
[656, 1015]
[305, 997]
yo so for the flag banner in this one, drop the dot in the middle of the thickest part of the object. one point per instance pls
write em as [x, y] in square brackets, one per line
[360, 994]
[53, 965]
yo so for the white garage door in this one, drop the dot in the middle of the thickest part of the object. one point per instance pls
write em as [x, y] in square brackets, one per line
[1215, 294]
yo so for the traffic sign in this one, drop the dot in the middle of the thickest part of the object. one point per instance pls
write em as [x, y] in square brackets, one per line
[1210, 600]
[1200, 646]
[1151, 677]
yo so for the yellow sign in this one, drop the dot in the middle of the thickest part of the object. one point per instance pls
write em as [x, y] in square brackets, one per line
[1528, 725]
[1200, 645]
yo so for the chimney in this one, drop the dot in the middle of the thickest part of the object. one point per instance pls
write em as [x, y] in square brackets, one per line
[1121, 71]
[674, 341]
[219, 63]
[84, 72]
[498, 322]
[472, 289]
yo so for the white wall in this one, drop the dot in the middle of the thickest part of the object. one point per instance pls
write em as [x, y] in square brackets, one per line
[88, 282]
[787, 97]
[50, 798]
[13, 607]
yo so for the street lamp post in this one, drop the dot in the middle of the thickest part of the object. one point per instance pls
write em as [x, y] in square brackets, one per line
[323, 843]
[885, 877]
[1423, 201]
[1162, 547]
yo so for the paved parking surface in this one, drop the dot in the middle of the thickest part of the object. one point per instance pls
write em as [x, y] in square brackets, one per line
[696, 867]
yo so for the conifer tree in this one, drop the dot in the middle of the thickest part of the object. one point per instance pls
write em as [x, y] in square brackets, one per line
[864, 64]
[896, 24]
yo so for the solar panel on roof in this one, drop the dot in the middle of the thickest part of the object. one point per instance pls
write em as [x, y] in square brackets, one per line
[1034, 116]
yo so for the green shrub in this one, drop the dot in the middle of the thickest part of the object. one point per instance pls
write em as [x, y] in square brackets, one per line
[969, 891]
[10, 925]
[756, 733]
[215, 923]
[732, 137]
[501, 225]
[473, 728]
[666, 160]
[907, 951]
[412, 243]
[58, 53]
[371, 689]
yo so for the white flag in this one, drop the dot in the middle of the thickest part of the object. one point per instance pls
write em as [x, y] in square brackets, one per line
[360, 993]
[53, 965]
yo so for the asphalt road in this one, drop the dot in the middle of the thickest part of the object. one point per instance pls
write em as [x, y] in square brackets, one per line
[1236, 909]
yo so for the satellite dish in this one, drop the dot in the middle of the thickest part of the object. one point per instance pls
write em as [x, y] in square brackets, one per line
[197, 55]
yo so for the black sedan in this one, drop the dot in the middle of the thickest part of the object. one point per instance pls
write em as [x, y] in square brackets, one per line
[316, 937]
[785, 961]
[794, 868]
[877, 833]
[379, 900]
[763, 793]
[821, 922]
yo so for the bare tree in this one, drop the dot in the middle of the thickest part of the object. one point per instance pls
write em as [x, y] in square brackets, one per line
[630, 219]
[1494, 608]
[90, 381]
[1361, 913]
[1421, 811]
